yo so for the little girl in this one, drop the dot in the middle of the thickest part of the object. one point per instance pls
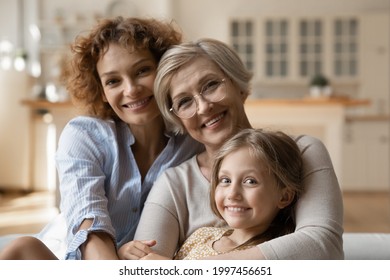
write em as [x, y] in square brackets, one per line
[256, 181]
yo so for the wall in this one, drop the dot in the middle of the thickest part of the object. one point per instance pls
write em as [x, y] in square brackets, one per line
[14, 119]
[49, 9]
[14, 131]
[375, 61]
[211, 16]
[9, 21]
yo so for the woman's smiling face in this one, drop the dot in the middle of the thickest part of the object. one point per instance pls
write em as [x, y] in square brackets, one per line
[214, 122]
[127, 79]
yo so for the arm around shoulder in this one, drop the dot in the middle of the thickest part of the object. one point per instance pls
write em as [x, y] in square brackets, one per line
[319, 211]
[158, 219]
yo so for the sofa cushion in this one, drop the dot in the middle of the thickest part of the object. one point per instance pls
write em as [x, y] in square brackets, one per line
[366, 246]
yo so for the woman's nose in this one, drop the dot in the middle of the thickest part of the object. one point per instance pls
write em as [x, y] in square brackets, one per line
[130, 88]
[204, 106]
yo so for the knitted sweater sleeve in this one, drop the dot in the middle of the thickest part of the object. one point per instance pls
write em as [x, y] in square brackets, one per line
[159, 219]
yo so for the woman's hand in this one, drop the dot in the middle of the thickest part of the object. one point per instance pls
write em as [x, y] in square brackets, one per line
[135, 250]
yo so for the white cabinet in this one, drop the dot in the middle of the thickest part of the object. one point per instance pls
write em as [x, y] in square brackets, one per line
[366, 164]
[286, 52]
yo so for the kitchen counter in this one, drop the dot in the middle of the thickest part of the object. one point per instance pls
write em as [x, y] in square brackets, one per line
[45, 104]
[309, 101]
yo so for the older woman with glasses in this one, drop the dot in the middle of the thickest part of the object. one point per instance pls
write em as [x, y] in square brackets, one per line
[201, 88]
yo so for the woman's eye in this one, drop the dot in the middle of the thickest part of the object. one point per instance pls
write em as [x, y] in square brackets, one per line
[111, 82]
[184, 102]
[144, 70]
[210, 86]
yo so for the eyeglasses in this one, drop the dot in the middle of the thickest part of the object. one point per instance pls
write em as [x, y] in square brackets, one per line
[186, 106]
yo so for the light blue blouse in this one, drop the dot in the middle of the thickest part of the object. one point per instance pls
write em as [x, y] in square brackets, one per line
[100, 180]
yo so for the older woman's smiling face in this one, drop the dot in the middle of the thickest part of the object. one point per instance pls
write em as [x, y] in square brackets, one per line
[214, 122]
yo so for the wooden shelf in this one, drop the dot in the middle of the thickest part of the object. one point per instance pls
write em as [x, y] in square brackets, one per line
[368, 118]
[308, 101]
[45, 104]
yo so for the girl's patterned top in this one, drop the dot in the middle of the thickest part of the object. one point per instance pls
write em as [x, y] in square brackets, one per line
[199, 244]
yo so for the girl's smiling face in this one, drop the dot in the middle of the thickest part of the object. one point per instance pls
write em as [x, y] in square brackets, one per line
[247, 195]
[127, 79]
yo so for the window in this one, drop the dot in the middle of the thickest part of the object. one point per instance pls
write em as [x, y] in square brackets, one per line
[276, 48]
[345, 47]
[310, 48]
[242, 35]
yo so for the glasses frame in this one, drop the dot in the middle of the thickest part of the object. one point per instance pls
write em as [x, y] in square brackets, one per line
[222, 81]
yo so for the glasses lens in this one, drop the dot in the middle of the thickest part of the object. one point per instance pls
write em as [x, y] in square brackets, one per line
[213, 91]
[185, 107]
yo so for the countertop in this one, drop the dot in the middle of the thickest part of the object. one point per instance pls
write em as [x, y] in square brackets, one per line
[41, 103]
[309, 101]
[347, 102]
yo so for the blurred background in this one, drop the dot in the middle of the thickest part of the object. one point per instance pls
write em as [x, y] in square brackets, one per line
[320, 68]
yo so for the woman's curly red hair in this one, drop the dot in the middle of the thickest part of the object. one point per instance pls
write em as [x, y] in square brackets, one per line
[81, 76]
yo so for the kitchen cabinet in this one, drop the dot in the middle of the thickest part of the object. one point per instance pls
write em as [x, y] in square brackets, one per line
[366, 165]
